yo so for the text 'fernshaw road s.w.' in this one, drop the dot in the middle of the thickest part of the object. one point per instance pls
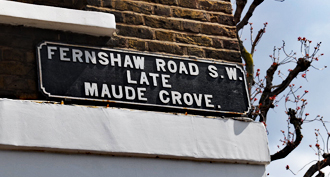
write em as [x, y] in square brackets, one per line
[133, 78]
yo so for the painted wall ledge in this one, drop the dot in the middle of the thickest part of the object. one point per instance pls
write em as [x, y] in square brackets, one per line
[27, 125]
[36, 164]
[55, 18]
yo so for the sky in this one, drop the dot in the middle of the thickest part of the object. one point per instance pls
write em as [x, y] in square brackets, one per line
[287, 21]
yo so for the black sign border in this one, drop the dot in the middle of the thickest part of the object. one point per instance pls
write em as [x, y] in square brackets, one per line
[43, 90]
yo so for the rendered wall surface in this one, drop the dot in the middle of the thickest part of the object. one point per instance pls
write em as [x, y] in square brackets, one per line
[35, 164]
[42, 126]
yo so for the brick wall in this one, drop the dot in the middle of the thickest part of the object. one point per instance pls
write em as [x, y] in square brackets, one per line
[18, 66]
[201, 28]
[195, 28]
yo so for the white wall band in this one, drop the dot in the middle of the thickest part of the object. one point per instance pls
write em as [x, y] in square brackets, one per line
[55, 18]
[27, 124]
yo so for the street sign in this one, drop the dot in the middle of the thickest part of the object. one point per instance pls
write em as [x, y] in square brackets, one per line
[141, 79]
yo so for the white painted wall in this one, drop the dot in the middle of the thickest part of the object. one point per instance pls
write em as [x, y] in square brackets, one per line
[55, 18]
[37, 164]
[39, 126]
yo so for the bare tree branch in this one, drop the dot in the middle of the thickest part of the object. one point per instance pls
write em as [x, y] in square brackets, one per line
[248, 14]
[321, 174]
[256, 40]
[269, 92]
[302, 65]
[240, 4]
[267, 95]
[318, 166]
[290, 146]
[266, 103]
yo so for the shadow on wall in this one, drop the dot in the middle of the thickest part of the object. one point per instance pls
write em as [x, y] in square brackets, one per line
[33, 164]
[240, 126]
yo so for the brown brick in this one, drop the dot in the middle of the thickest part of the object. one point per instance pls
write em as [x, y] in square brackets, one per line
[14, 55]
[194, 39]
[202, 40]
[144, 0]
[82, 39]
[165, 47]
[226, 20]
[7, 94]
[117, 41]
[141, 7]
[27, 96]
[160, 22]
[31, 71]
[15, 41]
[26, 38]
[222, 19]
[32, 85]
[217, 6]
[191, 14]
[162, 11]
[218, 30]
[188, 3]
[15, 83]
[191, 26]
[231, 44]
[180, 37]
[223, 55]
[217, 43]
[195, 51]
[119, 17]
[2, 82]
[18, 72]
[214, 18]
[166, 2]
[43, 34]
[134, 19]
[107, 3]
[94, 2]
[134, 6]
[135, 31]
[14, 68]
[164, 35]
[120, 5]
[137, 44]
[30, 57]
